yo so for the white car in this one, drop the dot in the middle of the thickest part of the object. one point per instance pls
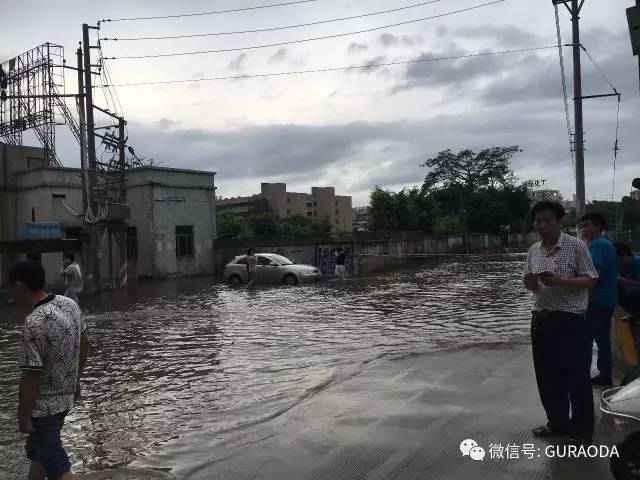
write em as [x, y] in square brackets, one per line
[270, 268]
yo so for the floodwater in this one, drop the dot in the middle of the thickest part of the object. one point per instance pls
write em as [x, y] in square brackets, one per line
[181, 367]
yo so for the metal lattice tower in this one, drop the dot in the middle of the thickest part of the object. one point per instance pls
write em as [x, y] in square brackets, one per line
[30, 89]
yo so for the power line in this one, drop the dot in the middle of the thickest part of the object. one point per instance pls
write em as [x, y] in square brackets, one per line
[564, 91]
[273, 29]
[335, 69]
[199, 14]
[599, 69]
[279, 44]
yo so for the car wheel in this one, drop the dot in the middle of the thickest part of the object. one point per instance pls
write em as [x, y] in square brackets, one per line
[290, 279]
[235, 280]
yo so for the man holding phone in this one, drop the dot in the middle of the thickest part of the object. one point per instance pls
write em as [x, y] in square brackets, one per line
[560, 272]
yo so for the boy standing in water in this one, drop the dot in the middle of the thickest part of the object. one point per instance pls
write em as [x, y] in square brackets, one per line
[252, 262]
[73, 278]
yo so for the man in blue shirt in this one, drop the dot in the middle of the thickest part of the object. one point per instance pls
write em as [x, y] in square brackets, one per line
[604, 297]
[629, 280]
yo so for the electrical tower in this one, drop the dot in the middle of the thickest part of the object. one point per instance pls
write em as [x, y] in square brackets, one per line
[32, 95]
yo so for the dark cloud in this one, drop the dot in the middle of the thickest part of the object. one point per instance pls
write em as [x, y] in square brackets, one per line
[298, 153]
[389, 40]
[356, 47]
[415, 40]
[238, 63]
[429, 73]
[536, 77]
[507, 35]
[441, 31]
[372, 63]
[279, 56]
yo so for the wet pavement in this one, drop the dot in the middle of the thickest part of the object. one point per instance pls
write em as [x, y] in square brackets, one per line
[188, 379]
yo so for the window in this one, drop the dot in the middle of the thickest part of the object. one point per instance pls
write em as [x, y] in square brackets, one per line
[310, 214]
[337, 212]
[315, 203]
[132, 243]
[264, 261]
[184, 241]
[242, 261]
[34, 162]
[288, 199]
[288, 211]
[315, 214]
[309, 204]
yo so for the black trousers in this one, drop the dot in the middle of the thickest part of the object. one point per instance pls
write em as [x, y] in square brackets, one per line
[600, 320]
[562, 346]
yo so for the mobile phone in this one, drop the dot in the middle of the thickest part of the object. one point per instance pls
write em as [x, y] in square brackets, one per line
[545, 274]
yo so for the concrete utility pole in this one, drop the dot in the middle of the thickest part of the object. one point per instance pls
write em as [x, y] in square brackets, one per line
[91, 157]
[122, 159]
[633, 16]
[574, 10]
[83, 132]
[577, 93]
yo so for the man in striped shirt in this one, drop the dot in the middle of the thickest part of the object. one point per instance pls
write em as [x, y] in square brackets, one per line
[560, 272]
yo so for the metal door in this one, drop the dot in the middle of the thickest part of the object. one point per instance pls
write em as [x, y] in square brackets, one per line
[325, 259]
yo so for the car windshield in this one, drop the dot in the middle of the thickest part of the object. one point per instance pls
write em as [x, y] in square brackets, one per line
[281, 260]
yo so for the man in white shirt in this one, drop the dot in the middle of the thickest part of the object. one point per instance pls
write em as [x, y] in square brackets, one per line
[73, 278]
[559, 271]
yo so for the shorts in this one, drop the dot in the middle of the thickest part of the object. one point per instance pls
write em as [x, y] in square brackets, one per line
[44, 445]
[340, 270]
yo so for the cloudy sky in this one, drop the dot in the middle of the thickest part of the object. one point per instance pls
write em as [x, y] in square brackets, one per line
[352, 129]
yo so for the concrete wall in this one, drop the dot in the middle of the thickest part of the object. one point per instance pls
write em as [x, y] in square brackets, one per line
[370, 252]
[276, 196]
[27, 194]
[162, 200]
[325, 197]
[297, 205]
[344, 214]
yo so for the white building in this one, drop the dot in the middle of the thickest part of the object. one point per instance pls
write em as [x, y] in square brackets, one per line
[170, 231]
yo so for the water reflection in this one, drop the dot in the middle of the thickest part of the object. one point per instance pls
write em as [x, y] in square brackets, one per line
[185, 359]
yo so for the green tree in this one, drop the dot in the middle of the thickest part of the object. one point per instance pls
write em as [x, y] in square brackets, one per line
[467, 172]
[447, 225]
[471, 171]
[264, 224]
[382, 209]
[322, 228]
[229, 226]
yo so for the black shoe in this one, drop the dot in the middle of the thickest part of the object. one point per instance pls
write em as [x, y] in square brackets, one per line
[545, 431]
[601, 381]
[578, 442]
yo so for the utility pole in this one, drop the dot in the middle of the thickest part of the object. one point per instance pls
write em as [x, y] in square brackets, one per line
[83, 132]
[122, 159]
[91, 156]
[577, 93]
[633, 16]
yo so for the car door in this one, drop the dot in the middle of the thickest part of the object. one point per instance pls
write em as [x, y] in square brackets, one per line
[266, 272]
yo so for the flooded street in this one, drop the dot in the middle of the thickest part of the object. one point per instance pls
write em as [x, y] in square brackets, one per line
[181, 366]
